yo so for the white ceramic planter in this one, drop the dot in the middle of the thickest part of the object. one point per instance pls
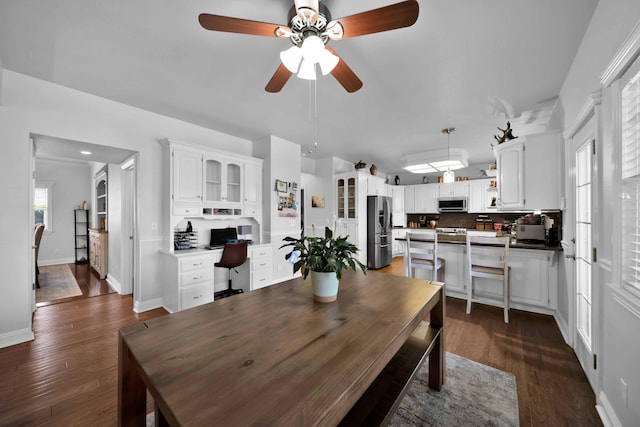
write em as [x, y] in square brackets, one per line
[324, 286]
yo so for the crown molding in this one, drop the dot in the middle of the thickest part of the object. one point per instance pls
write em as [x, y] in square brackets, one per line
[623, 58]
[585, 113]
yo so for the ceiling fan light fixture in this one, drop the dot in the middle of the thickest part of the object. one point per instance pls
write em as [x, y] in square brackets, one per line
[328, 62]
[312, 49]
[307, 70]
[291, 58]
[334, 30]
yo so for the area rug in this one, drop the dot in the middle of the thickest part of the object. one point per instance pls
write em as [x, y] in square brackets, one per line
[56, 282]
[473, 395]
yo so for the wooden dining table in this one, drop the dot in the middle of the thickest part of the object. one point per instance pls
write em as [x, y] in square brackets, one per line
[275, 357]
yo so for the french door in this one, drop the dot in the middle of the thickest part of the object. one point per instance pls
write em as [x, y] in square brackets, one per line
[584, 295]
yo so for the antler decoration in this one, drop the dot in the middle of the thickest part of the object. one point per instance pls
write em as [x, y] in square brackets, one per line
[507, 134]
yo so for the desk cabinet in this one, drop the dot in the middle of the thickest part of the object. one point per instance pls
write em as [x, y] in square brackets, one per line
[261, 266]
[99, 251]
[189, 280]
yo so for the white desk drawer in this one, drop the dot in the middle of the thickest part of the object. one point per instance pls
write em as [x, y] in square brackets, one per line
[260, 253]
[194, 296]
[190, 211]
[197, 276]
[261, 278]
[196, 263]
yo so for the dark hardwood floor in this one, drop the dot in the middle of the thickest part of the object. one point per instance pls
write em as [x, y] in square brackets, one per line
[552, 388]
[68, 374]
[88, 281]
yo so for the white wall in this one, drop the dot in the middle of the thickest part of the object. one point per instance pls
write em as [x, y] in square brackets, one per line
[29, 105]
[71, 186]
[612, 22]
[281, 162]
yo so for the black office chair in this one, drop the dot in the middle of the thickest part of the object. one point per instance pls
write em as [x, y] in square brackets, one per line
[233, 255]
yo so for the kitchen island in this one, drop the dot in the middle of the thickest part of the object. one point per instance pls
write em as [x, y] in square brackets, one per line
[533, 278]
[274, 357]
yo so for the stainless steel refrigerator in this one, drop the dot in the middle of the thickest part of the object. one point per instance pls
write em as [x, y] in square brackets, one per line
[379, 244]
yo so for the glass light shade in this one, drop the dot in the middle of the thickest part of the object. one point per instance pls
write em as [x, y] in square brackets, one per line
[307, 70]
[421, 168]
[328, 61]
[312, 48]
[448, 176]
[291, 58]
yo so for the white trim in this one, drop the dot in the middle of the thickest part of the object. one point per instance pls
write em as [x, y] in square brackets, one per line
[606, 412]
[622, 299]
[606, 264]
[586, 112]
[623, 58]
[129, 163]
[564, 328]
[114, 283]
[59, 261]
[140, 307]
[16, 337]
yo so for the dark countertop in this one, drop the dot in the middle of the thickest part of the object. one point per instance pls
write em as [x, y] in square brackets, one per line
[460, 239]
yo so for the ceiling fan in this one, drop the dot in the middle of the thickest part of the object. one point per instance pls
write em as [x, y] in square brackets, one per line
[310, 29]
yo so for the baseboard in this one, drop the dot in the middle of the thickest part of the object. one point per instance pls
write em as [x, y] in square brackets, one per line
[16, 337]
[606, 412]
[42, 263]
[564, 328]
[140, 307]
[114, 283]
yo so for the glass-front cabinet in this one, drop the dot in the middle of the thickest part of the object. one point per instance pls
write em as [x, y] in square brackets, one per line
[223, 181]
[346, 195]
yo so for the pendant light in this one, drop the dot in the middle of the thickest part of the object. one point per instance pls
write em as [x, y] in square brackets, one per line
[448, 176]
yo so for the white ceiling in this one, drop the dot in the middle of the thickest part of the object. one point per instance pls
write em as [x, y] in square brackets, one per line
[468, 64]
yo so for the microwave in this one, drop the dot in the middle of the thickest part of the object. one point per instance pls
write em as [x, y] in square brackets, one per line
[452, 204]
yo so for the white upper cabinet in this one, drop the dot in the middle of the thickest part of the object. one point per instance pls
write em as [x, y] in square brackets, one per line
[426, 198]
[223, 180]
[510, 161]
[376, 186]
[482, 197]
[409, 199]
[187, 177]
[454, 189]
[252, 183]
[529, 172]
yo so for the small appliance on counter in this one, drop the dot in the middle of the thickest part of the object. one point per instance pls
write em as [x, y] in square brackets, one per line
[531, 232]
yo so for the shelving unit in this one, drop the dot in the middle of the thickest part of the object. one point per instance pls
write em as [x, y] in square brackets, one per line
[81, 235]
[101, 202]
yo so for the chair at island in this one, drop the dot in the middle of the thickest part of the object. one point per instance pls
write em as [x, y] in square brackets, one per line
[488, 257]
[37, 236]
[422, 253]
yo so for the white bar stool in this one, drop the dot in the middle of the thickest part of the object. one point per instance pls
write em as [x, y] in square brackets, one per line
[422, 252]
[488, 257]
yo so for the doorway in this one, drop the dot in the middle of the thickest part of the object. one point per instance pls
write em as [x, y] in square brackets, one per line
[584, 301]
[66, 155]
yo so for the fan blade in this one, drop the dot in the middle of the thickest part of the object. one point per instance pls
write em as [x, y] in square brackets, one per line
[279, 79]
[386, 18]
[345, 75]
[241, 26]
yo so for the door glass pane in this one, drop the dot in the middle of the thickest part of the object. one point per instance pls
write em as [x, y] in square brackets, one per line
[213, 179]
[233, 182]
[583, 243]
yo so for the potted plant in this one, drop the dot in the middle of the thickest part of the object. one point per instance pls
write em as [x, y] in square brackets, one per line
[323, 258]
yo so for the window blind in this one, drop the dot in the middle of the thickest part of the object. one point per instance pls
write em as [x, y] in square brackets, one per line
[40, 206]
[630, 169]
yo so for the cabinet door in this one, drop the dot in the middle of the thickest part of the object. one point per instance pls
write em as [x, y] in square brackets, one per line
[510, 161]
[426, 198]
[409, 199]
[455, 276]
[212, 180]
[252, 183]
[529, 277]
[187, 177]
[233, 181]
[397, 195]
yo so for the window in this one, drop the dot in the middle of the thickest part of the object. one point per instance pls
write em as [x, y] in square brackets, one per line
[42, 205]
[630, 170]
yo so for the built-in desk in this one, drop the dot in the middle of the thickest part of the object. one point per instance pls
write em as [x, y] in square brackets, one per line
[274, 357]
[191, 279]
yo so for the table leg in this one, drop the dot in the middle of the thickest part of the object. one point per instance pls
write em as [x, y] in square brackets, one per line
[437, 357]
[132, 392]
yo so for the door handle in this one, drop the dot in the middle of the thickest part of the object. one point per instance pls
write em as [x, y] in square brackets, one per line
[573, 257]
